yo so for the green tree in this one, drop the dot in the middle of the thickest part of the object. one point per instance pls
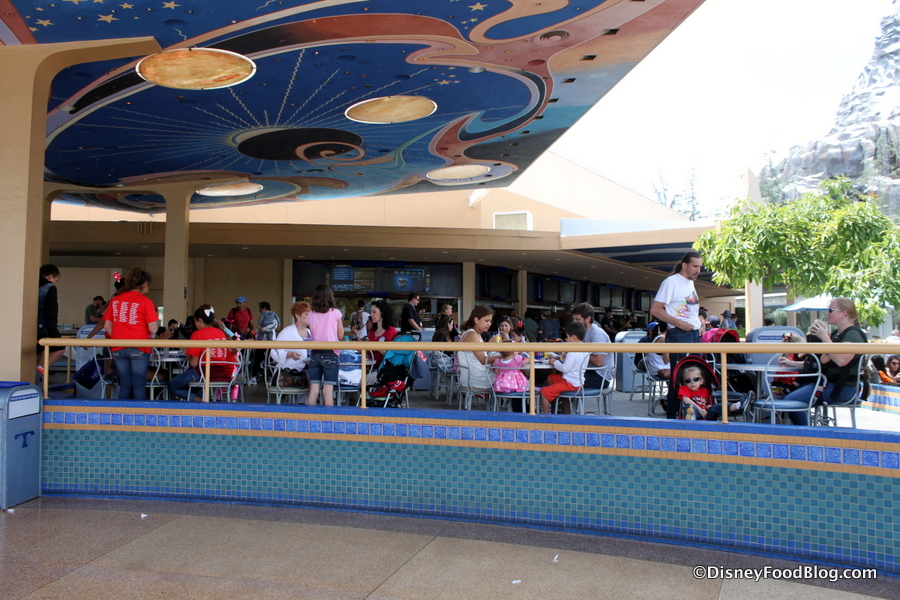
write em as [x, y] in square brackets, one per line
[830, 241]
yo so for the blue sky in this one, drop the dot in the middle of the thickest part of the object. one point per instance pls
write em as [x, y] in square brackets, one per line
[738, 79]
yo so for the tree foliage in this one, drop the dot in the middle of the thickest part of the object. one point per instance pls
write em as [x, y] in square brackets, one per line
[829, 241]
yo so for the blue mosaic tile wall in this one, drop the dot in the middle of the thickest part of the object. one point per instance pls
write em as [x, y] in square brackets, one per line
[884, 397]
[831, 495]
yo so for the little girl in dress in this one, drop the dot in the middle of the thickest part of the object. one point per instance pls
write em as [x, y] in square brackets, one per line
[509, 373]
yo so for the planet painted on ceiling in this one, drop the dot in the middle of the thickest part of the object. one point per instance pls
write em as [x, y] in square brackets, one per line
[336, 98]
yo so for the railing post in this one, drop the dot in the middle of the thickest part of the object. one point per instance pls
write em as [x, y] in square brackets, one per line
[724, 384]
[362, 381]
[207, 368]
[531, 382]
[46, 372]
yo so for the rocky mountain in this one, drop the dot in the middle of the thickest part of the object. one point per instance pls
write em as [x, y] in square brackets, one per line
[864, 143]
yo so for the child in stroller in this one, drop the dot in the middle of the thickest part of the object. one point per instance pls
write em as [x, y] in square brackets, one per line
[697, 383]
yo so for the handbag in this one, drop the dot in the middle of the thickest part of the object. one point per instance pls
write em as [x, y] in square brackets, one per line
[88, 375]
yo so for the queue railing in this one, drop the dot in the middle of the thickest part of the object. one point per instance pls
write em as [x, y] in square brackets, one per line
[530, 347]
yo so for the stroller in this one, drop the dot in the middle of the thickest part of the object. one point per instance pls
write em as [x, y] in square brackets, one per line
[391, 388]
[710, 383]
[739, 381]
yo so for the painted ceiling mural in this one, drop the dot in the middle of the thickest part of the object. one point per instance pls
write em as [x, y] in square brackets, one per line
[346, 98]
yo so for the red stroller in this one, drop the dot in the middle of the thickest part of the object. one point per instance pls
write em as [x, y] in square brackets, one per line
[711, 384]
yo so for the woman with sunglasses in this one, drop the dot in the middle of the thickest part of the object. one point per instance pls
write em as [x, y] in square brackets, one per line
[892, 369]
[841, 370]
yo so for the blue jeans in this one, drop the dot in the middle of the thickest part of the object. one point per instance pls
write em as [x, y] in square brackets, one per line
[180, 385]
[323, 367]
[132, 364]
[677, 336]
[803, 394]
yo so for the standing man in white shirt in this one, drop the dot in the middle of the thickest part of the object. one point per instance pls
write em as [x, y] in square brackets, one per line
[678, 305]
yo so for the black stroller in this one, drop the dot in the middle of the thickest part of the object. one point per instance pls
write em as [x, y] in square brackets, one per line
[712, 385]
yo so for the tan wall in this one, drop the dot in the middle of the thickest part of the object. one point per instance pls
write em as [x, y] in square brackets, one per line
[77, 287]
[551, 189]
[559, 182]
[257, 280]
[443, 209]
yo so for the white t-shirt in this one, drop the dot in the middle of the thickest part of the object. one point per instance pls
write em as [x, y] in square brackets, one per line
[573, 367]
[654, 361]
[678, 295]
[595, 335]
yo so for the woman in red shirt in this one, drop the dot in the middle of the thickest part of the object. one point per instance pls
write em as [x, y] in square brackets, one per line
[131, 315]
[381, 329]
[207, 329]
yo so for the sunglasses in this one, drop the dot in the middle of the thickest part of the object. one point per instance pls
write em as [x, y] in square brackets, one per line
[692, 380]
[831, 310]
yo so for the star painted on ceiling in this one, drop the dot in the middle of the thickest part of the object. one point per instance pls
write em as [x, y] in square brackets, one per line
[107, 18]
[33, 28]
[44, 23]
[75, 2]
[39, 9]
[478, 6]
[171, 5]
[126, 5]
[444, 82]
[98, 1]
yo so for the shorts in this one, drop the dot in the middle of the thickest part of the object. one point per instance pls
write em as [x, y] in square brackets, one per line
[323, 367]
[557, 386]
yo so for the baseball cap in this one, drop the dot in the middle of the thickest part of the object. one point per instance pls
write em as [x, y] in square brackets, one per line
[651, 326]
[713, 320]
[240, 299]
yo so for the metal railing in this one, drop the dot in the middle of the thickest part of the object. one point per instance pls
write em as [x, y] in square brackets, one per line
[719, 350]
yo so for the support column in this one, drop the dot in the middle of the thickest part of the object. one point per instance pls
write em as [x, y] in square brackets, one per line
[468, 291]
[755, 311]
[522, 304]
[28, 71]
[788, 300]
[287, 292]
[175, 265]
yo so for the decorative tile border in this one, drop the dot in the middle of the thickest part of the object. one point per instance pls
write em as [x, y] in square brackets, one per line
[817, 448]
[885, 398]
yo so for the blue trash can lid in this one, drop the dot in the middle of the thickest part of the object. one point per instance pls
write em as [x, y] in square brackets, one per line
[9, 384]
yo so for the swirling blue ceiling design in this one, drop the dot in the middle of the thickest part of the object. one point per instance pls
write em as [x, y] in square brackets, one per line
[507, 77]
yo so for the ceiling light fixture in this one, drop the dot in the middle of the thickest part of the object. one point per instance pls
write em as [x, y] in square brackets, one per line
[196, 68]
[391, 109]
[231, 189]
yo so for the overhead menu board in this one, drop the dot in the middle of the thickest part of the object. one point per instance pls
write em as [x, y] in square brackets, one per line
[346, 278]
[404, 280]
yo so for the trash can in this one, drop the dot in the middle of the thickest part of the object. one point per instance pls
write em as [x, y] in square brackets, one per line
[20, 441]
[624, 373]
